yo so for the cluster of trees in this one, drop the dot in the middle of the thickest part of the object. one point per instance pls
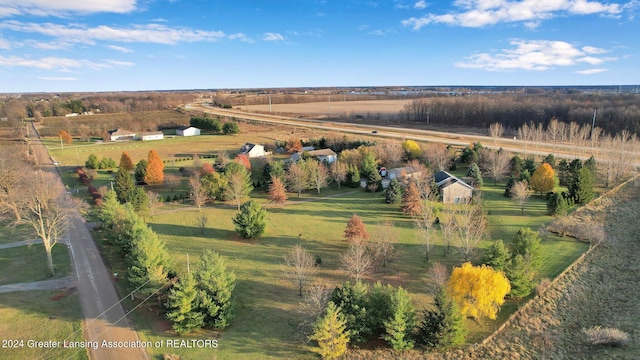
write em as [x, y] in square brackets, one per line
[94, 163]
[214, 125]
[515, 110]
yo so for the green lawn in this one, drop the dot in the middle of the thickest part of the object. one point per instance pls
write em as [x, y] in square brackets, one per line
[41, 316]
[10, 233]
[266, 322]
[29, 263]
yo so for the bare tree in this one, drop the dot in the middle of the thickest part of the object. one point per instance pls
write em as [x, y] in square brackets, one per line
[439, 274]
[424, 223]
[317, 173]
[439, 156]
[573, 130]
[222, 158]
[297, 177]
[338, 172]
[471, 226]
[199, 194]
[553, 133]
[316, 296]
[202, 221]
[172, 180]
[524, 133]
[84, 132]
[11, 168]
[583, 134]
[384, 244]
[154, 200]
[520, 192]
[46, 209]
[448, 225]
[495, 163]
[300, 267]
[357, 261]
[495, 131]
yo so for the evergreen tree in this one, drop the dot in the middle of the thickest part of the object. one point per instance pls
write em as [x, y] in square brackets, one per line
[369, 163]
[374, 182]
[551, 160]
[497, 256]
[141, 171]
[352, 299]
[353, 176]
[123, 186]
[592, 166]
[411, 201]
[527, 243]
[520, 274]
[581, 189]
[140, 201]
[330, 333]
[149, 262]
[474, 172]
[215, 185]
[231, 127]
[155, 169]
[444, 325]
[92, 162]
[125, 161]
[251, 221]
[378, 307]
[215, 290]
[402, 321]
[393, 193]
[183, 308]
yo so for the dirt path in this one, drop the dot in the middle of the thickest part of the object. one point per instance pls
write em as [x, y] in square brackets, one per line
[104, 316]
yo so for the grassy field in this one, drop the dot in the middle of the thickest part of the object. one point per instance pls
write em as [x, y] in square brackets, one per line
[10, 233]
[40, 316]
[29, 263]
[362, 108]
[267, 317]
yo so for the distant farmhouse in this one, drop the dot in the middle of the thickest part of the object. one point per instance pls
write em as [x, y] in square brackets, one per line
[453, 190]
[187, 131]
[324, 155]
[121, 134]
[252, 150]
[153, 135]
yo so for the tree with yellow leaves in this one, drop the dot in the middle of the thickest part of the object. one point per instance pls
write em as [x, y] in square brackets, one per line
[478, 290]
[543, 179]
[330, 333]
[155, 169]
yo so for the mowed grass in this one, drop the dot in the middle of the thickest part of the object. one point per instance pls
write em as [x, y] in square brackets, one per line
[40, 316]
[10, 233]
[267, 317]
[29, 263]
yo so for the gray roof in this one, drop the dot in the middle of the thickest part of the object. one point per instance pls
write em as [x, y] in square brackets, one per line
[444, 179]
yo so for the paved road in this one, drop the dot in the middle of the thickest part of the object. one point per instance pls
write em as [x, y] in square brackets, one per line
[104, 317]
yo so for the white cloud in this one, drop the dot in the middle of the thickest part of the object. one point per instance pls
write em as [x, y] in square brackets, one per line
[56, 63]
[5, 44]
[242, 37]
[420, 4]
[64, 7]
[533, 55]
[122, 49]
[479, 13]
[591, 71]
[149, 33]
[376, 32]
[272, 37]
[57, 78]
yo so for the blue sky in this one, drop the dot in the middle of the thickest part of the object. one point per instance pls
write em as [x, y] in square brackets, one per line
[110, 45]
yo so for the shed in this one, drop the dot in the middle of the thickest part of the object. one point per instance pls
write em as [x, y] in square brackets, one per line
[187, 131]
[253, 150]
[121, 134]
[153, 135]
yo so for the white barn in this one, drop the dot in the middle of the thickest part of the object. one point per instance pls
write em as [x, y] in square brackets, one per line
[121, 134]
[187, 131]
[253, 150]
[154, 135]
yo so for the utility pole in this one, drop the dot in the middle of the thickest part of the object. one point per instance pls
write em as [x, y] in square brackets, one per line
[269, 102]
[188, 268]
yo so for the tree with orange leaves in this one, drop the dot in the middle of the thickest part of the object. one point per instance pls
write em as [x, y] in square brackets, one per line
[355, 231]
[125, 161]
[244, 161]
[155, 169]
[293, 145]
[65, 136]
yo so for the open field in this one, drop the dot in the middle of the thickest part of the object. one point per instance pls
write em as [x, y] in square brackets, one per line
[350, 109]
[41, 316]
[29, 263]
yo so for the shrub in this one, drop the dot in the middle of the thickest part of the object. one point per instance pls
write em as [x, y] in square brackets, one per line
[598, 335]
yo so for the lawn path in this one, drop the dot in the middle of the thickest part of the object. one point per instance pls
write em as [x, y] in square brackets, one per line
[19, 243]
[53, 284]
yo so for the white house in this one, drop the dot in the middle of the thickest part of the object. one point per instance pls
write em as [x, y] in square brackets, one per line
[121, 134]
[454, 190]
[253, 150]
[154, 135]
[326, 155]
[187, 131]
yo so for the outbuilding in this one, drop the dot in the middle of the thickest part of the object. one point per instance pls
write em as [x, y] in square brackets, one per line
[187, 131]
[153, 135]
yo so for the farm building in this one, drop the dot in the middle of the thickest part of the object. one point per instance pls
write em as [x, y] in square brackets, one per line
[453, 190]
[326, 155]
[154, 135]
[252, 150]
[121, 134]
[187, 131]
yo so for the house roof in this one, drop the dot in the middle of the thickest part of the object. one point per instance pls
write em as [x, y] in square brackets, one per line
[248, 147]
[322, 152]
[120, 132]
[151, 133]
[183, 127]
[444, 179]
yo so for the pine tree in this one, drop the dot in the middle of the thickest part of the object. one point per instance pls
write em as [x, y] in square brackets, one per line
[411, 201]
[215, 290]
[125, 161]
[474, 172]
[251, 221]
[402, 321]
[183, 308]
[355, 230]
[330, 333]
[92, 162]
[141, 171]
[277, 192]
[444, 325]
[497, 256]
[527, 243]
[352, 299]
[155, 169]
[149, 262]
[393, 193]
[353, 176]
[520, 274]
[123, 186]
[140, 202]
[581, 188]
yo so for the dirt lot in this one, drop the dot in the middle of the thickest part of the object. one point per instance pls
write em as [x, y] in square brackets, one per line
[363, 109]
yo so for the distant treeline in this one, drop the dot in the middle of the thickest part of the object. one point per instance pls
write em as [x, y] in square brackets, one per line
[614, 112]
